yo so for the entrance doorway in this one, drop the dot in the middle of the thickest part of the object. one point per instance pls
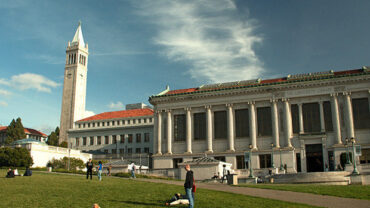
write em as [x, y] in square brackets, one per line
[314, 158]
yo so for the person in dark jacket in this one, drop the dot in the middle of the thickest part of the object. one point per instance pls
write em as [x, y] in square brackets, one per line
[189, 185]
[28, 172]
[89, 166]
[10, 173]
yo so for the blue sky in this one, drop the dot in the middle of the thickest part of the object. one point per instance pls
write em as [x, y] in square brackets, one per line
[137, 47]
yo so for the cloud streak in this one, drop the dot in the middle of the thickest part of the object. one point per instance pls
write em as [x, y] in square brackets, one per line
[29, 81]
[118, 105]
[217, 45]
[4, 92]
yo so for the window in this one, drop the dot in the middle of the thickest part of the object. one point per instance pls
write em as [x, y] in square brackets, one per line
[79, 126]
[102, 123]
[265, 161]
[220, 124]
[311, 117]
[199, 126]
[242, 123]
[146, 149]
[108, 123]
[123, 122]
[106, 139]
[240, 163]
[179, 127]
[176, 162]
[295, 118]
[128, 121]
[361, 114]
[138, 138]
[150, 119]
[113, 123]
[130, 138]
[264, 121]
[365, 156]
[121, 151]
[84, 142]
[220, 158]
[99, 140]
[146, 137]
[139, 120]
[129, 150]
[122, 138]
[88, 125]
[91, 141]
[83, 125]
[328, 116]
[114, 138]
[98, 124]
[77, 141]
[93, 124]
[114, 151]
[133, 121]
[138, 150]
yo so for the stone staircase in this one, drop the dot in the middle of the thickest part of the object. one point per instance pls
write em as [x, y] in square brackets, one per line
[328, 178]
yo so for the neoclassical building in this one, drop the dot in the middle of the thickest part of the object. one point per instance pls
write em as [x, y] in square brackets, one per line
[301, 121]
[30, 134]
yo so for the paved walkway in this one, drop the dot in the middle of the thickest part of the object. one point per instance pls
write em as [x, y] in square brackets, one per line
[289, 196]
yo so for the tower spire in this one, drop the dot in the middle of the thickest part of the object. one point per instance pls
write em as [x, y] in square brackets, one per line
[78, 38]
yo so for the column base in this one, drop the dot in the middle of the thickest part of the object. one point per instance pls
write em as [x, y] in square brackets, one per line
[168, 153]
[188, 153]
[230, 150]
[338, 145]
[209, 152]
[158, 154]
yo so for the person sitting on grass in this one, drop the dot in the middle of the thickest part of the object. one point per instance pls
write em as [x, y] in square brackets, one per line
[10, 173]
[16, 172]
[177, 199]
[28, 172]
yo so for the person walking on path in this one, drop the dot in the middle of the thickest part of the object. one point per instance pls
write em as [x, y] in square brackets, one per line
[189, 185]
[100, 170]
[133, 171]
[89, 167]
[110, 170]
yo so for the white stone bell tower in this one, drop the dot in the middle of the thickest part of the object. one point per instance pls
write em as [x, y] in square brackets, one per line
[74, 87]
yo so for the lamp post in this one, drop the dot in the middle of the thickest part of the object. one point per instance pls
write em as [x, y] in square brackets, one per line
[272, 155]
[355, 171]
[348, 162]
[281, 162]
[250, 162]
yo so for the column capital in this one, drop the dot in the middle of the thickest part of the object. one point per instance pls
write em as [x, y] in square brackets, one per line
[229, 105]
[207, 106]
[168, 110]
[300, 104]
[321, 102]
[187, 109]
[347, 93]
[251, 102]
[335, 94]
[285, 99]
[274, 100]
[158, 111]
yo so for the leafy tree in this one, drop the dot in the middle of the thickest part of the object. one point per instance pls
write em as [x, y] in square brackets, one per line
[15, 157]
[53, 138]
[19, 129]
[10, 133]
[63, 144]
[74, 163]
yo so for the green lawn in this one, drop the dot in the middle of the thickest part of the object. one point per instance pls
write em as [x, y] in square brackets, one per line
[350, 191]
[59, 190]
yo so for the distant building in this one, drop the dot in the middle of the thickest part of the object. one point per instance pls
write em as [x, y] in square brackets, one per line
[116, 134]
[30, 134]
[299, 121]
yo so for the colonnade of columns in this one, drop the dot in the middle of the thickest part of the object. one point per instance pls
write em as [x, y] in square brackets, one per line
[287, 121]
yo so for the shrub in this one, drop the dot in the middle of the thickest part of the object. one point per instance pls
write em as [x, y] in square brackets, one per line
[15, 157]
[74, 163]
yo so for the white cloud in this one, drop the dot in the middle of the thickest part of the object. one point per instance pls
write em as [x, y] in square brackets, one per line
[118, 105]
[4, 92]
[30, 81]
[209, 36]
[3, 103]
[46, 58]
[88, 113]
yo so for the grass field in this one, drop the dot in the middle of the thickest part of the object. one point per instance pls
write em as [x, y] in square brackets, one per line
[61, 190]
[351, 191]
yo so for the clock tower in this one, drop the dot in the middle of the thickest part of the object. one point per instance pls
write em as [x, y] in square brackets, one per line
[74, 87]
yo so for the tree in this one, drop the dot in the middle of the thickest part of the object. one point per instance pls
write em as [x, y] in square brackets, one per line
[10, 132]
[15, 131]
[19, 129]
[15, 157]
[53, 138]
[63, 144]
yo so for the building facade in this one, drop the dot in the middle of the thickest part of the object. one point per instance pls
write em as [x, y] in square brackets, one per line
[74, 86]
[115, 134]
[30, 134]
[299, 121]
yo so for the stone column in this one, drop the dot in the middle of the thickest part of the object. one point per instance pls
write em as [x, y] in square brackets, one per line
[252, 125]
[159, 132]
[348, 114]
[275, 123]
[322, 119]
[95, 140]
[287, 122]
[300, 118]
[209, 129]
[169, 132]
[230, 127]
[335, 118]
[188, 130]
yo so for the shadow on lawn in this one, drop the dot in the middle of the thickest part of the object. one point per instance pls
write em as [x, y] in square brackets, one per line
[158, 203]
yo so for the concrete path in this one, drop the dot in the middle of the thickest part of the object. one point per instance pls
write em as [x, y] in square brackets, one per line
[289, 196]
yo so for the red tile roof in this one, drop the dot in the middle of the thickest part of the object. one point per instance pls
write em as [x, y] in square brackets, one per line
[27, 131]
[263, 82]
[120, 114]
